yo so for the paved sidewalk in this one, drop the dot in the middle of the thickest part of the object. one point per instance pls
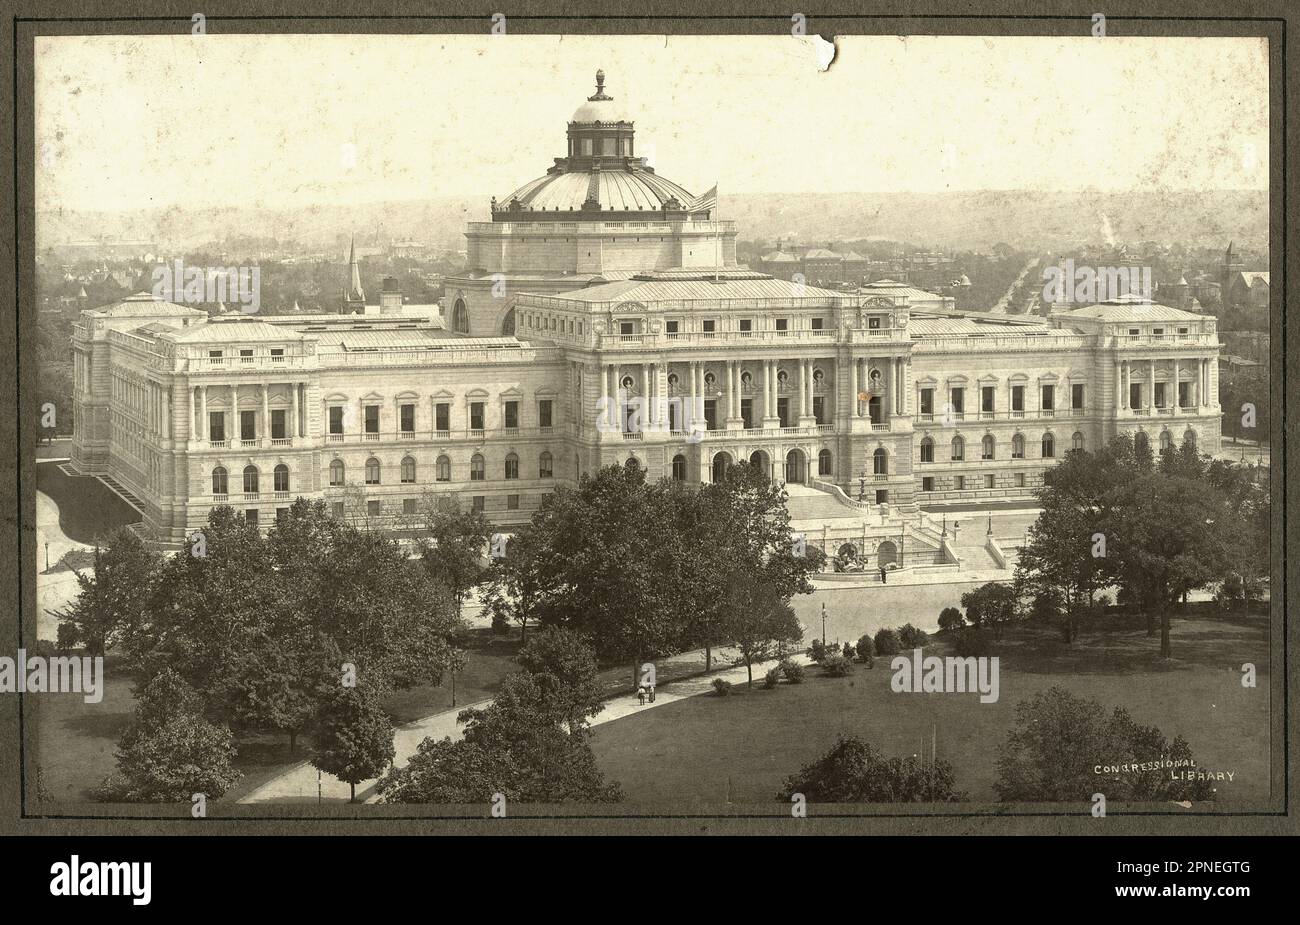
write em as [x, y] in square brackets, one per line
[299, 784]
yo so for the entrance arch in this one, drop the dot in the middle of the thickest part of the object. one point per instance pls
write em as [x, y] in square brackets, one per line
[719, 469]
[762, 462]
[886, 553]
[796, 467]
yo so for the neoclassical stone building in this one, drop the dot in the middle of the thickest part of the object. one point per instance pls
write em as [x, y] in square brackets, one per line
[606, 321]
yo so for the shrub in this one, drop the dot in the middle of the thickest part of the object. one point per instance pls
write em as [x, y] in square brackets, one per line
[837, 666]
[772, 678]
[911, 637]
[950, 618]
[866, 648]
[973, 642]
[869, 661]
[817, 650]
[847, 650]
[887, 643]
[854, 772]
[721, 688]
[793, 671]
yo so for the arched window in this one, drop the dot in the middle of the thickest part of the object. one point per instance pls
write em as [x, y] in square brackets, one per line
[958, 448]
[508, 324]
[679, 468]
[1049, 446]
[250, 480]
[460, 317]
[1189, 435]
[372, 471]
[1018, 446]
[927, 449]
[1076, 442]
[512, 466]
[545, 466]
[336, 473]
[444, 469]
[880, 461]
[987, 446]
[220, 483]
[408, 470]
[281, 477]
[1166, 440]
[476, 469]
[824, 463]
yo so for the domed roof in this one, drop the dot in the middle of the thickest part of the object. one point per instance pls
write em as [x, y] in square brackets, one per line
[617, 190]
[600, 106]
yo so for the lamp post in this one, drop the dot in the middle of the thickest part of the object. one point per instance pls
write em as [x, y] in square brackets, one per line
[862, 484]
[823, 623]
[47, 555]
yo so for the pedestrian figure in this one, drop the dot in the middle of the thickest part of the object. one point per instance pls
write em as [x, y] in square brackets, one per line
[640, 694]
[652, 693]
[883, 575]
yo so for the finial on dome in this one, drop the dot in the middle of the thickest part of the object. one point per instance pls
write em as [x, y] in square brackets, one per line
[600, 88]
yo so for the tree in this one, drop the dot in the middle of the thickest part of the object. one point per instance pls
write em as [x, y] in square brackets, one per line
[170, 752]
[517, 746]
[992, 604]
[761, 623]
[114, 598]
[854, 772]
[452, 545]
[354, 736]
[1059, 740]
[950, 618]
[563, 667]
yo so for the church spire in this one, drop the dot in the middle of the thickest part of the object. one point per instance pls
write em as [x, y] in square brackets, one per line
[354, 298]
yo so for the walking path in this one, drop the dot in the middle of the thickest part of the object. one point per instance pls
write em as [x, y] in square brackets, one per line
[299, 784]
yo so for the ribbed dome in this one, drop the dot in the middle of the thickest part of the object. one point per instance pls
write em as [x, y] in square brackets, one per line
[619, 190]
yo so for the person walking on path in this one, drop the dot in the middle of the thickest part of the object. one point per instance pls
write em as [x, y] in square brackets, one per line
[640, 694]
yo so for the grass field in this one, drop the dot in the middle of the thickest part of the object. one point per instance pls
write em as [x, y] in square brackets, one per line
[740, 748]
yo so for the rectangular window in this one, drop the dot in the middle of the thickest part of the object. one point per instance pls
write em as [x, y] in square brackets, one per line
[372, 419]
[442, 416]
[512, 502]
[408, 505]
[927, 483]
[1160, 395]
[627, 327]
[1020, 480]
[1049, 398]
[958, 398]
[477, 504]
[476, 415]
[783, 324]
[1076, 396]
[986, 398]
[407, 418]
[882, 495]
[216, 425]
[512, 415]
[280, 514]
[817, 323]
[545, 416]
[708, 325]
[783, 411]
[873, 324]
[747, 412]
[1134, 332]
[247, 425]
[374, 508]
[711, 413]
[988, 481]
[1017, 398]
[250, 516]
[1184, 394]
[278, 431]
[961, 482]
[1135, 395]
[819, 409]
[673, 327]
[336, 510]
[336, 419]
[746, 325]
[214, 354]
[277, 352]
[927, 401]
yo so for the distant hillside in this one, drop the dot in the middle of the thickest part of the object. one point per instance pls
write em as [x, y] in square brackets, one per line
[1024, 219]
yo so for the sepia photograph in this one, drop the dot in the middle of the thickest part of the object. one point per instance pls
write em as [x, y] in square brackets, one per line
[450, 423]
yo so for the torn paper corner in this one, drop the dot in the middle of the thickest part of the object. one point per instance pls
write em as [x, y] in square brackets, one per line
[821, 49]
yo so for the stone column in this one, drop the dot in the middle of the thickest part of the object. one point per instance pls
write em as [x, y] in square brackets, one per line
[1119, 385]
[1151, 386]
[205, 432]
[265, 430]
[194, 412]
[856, 385]
[297, 410]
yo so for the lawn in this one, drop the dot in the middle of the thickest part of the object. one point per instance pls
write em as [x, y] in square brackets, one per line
[740, 748]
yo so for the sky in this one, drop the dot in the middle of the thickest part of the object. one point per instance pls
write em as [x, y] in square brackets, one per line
[289, 121]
